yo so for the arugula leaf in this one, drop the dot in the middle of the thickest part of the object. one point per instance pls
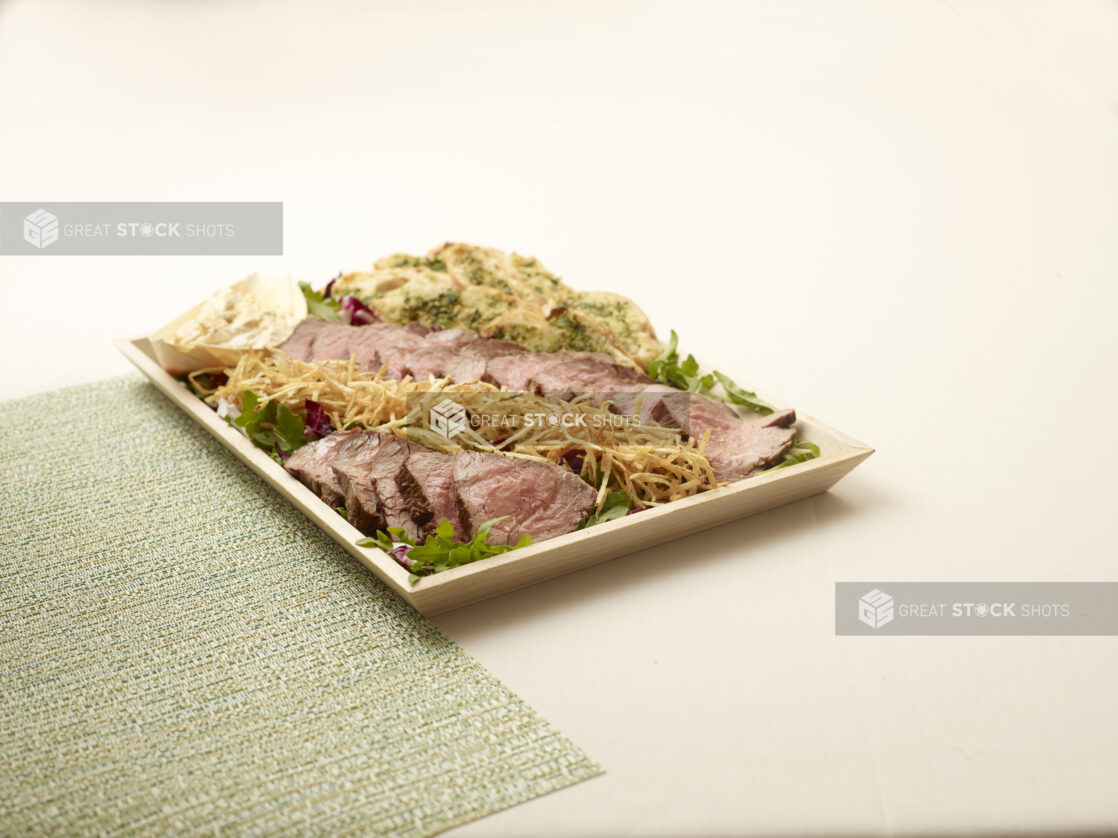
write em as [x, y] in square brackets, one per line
[736, 395]
[400, 535]
[617, 505]
[379, 539]
[800, 452]
[668, 369]
[441, 550]
[274, 428]
[319, 305]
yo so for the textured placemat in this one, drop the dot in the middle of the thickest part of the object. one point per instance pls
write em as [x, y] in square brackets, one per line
[182, 652]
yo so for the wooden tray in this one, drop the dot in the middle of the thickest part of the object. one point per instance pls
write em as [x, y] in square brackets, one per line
[554, 557]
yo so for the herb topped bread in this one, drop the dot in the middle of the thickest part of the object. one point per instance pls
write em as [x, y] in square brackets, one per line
[502, 295]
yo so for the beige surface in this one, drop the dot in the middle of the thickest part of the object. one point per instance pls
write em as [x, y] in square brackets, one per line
[899, 217]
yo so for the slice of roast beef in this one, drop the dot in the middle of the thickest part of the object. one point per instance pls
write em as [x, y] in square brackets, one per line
[570, 374]
[313, 466]
[364, 343]
[541, 499]
[385, 466]
[515, 371]
[298, 345]
[693, 411]
[426, 481]
[454, 338]
[430, 360]
[632, 398]
[394, 349]
[332, 342]
[743, 449]
[352, 464]
[490, 348]
[609, 366]
[463, 367]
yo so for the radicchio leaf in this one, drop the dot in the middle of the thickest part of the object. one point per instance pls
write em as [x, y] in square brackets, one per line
[356, 313]
[400, 554]
[318, 422]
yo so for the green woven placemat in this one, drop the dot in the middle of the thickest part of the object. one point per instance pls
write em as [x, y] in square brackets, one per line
[183, 652]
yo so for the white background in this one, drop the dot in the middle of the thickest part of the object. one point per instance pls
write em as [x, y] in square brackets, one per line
[900, 217]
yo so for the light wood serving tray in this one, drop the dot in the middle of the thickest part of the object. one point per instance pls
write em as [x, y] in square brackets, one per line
[554, 557]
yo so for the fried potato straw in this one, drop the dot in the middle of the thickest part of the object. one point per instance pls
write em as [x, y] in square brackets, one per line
[651, 464]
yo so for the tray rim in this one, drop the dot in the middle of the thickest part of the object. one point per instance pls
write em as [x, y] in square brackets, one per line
[430, 594]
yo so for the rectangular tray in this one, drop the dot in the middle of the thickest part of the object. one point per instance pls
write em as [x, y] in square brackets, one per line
[519, 568]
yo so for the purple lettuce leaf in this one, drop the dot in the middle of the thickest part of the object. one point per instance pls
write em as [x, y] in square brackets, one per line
[400, 554]
[356, 313]
[317, 422]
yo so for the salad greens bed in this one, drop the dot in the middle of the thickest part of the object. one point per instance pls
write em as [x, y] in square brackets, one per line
[441, 550]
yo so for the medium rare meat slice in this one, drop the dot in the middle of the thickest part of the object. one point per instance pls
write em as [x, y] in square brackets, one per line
[693, 413]
[541, 499]
[429, 361]
[352, 465]
[454, 338]
[627, 397]
[298, 345]
[489, 348]
[743, 449]
[367, 465]
[363, 344]
[603, 361]
[572, 373]
[516, 370]
[313, 466]
[426, 482]
[394, 349]
[465, 367]
[383, 470]
[332, 342]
